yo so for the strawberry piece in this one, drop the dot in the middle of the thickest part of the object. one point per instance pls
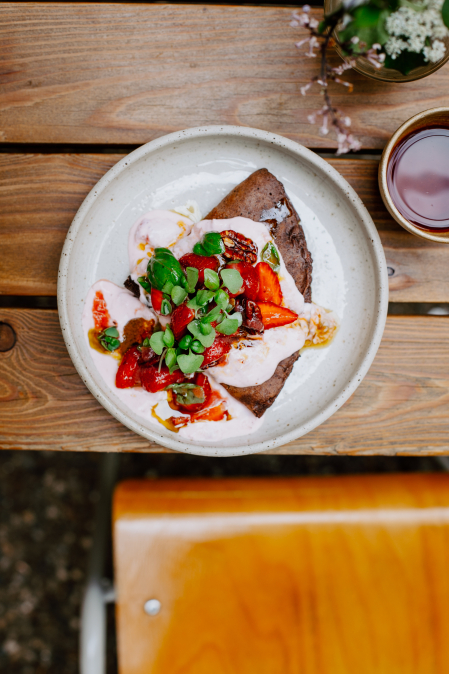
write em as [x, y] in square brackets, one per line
[156, 299]
[217, 413]
[153, 381]
[219, 349]
[200, 262]
[250, 278]
[274, 316]
[100, 312]
[270, 288]
[128, 369]
[180, 319]
[203, 381]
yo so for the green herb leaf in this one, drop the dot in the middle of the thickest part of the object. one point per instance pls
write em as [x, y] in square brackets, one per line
[270, 255]
[178, 295]
[237, 316]
[212, 316]
[169, 338]
[205, 328]
[157, 342]
[186, 342]
[190, 363]
[164, 268]
[146, 341]
[232, 280]
[111, 332]
[187, 394]
[204, 296]
[192, 278]
[171, 359]
[165, 307]
[197, 347]
[213, 243]
[211, 279]
[228, 326]
[178, 387]
[193, 304]
[199, 250]
[445, 13]
[206, 340]
[168, 287]
[144, 282]
[221, 298]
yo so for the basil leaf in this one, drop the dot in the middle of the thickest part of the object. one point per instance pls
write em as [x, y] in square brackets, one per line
[221, 298]
[204, 296]
[192, 278]
[211, 279]
[270, 255]
[232, 280]
[169, 338]
[206, 340]
[165, 307]
[144, 282]
[157, 342]
[228, 327]
[111, 332]
[178, 295]
[164, 268]
[213, 243]
[199, 250]
[190, 363]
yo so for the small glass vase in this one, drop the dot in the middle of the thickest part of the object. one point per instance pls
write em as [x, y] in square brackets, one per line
[364, 67]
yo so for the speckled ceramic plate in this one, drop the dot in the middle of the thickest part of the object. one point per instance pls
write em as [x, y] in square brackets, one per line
[349, 270]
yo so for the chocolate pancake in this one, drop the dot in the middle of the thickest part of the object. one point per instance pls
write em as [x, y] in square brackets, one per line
[262, 198]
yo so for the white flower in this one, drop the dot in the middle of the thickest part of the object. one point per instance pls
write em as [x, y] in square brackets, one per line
[436, 52]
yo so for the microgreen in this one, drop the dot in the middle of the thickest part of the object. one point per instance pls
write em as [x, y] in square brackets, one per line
[193, 304]
[205, 328]
[192, 278]
[211, 279]
[144, 282]
[178, 295]
[165, 307]
[203, 297]
[206, 340]
[232, 280]
[188, 394]
[157, 342]
[186, 341]
[270, 255]
[168, 287]
[171, 360]
[197, 347]
[212, 316]
[169, 338]
[228, 326]
[190, 363]
[146, 341]
[221, 298]
[108, 339]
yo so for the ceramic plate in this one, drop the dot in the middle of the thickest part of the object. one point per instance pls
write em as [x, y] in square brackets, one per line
[349, 269]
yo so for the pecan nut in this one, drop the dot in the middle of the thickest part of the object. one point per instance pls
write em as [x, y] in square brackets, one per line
[239, 247]
[252, 316]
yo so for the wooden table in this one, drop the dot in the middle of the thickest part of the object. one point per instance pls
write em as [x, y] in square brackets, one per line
[80, 86]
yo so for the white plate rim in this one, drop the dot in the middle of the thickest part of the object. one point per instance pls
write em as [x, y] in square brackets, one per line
[380, 270]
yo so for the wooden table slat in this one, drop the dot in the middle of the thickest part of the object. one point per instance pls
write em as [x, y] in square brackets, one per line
[400, 407]
[40, 194]
[128, 73]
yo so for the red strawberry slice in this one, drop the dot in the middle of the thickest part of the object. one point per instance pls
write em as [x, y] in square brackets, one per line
[199, 262]
[219, 349]
[156, 299]
[250, 279]
[128, 369]
[203, 381]
[274, 316]
[270, 288]
[153, 381]
[100, 312]
[180, 319]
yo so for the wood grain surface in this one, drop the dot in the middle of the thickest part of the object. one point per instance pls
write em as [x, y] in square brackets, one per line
[40, 194]
[400, 407]
[283, 576]
[128, 73]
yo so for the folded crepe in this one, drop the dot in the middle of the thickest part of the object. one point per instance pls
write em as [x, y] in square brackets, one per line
[262, 198]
